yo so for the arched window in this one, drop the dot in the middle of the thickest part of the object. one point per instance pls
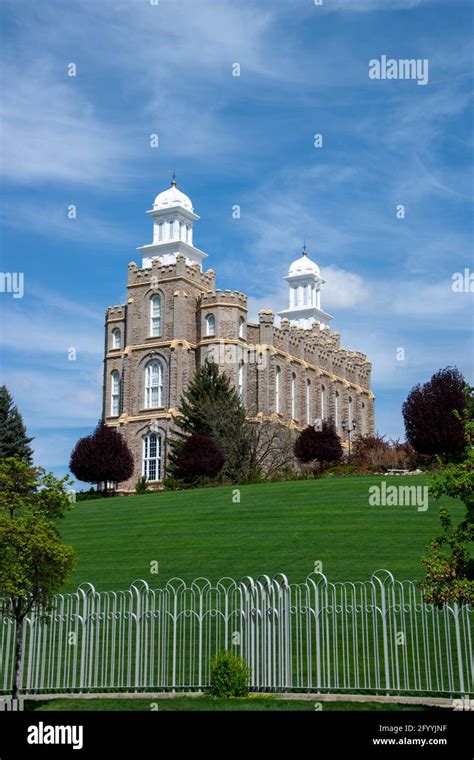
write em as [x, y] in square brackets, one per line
[336, 410]
[363, 419]
[115, 394]
[241, 327]
[116, 338]
[160, 232]
[153, 385]
[151, 467]
[350, 412]
[188, 234]
[277, 388]
[323, 402]
[171, 229]
[210, 324]
[155, 316]
[293, 395]
[241, 378]
[308, 402]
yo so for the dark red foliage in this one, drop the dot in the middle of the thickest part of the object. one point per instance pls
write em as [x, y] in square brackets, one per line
[199, 456]
[321, 445]
[430, 423]
[101, 457]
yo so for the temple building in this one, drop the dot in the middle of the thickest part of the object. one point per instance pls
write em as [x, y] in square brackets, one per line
[295, 373]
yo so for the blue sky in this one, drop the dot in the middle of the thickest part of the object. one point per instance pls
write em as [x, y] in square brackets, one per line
[247, 140]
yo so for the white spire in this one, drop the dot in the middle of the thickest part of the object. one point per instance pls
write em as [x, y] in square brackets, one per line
[304, 297]
[173, 219]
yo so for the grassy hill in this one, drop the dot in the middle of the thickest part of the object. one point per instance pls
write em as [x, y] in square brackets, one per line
[276, 527]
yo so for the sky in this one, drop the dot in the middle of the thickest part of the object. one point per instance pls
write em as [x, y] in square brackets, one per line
[167, 68]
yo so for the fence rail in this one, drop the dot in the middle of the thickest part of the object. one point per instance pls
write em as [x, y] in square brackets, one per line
[377, 636]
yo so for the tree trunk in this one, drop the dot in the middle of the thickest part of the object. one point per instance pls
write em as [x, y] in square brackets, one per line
[16, 685]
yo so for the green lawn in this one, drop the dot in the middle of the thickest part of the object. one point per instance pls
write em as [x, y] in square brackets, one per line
[206, 703]
[276, 527]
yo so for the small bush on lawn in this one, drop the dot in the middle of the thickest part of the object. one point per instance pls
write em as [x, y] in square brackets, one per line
[141, 485]
[229, 676]
[90, 494]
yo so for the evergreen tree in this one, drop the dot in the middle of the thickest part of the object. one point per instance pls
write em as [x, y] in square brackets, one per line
[14, 442]
[210, 406]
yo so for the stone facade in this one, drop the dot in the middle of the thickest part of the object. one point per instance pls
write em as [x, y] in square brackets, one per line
[175, 318]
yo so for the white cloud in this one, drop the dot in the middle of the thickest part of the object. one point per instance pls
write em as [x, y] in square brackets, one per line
[344, 290]
[50, 130]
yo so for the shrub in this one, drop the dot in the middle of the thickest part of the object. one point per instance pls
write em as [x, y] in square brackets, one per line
[141, 486]
[322, 445]
[88, 495]
[375, 451]
[199, 457]
[229, 675]
[173, 484]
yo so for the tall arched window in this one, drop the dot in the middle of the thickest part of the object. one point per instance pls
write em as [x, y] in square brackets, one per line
[350, 412]
[323, 402]
[308, 402]
[293, 395]
[210, 324]
[277, 388]
[241, 379]
[160, 232]
[116, 338]
[241, 327]
[171, 229]
[153, 385]
[115, 394]
[363, 419]
[336, 410]
[155, 316]
[151, 467]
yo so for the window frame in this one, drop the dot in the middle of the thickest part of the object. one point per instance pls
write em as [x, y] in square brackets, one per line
[150, 386]
[155, 319]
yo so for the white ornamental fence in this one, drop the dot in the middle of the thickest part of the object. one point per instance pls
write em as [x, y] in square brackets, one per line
[376, 636]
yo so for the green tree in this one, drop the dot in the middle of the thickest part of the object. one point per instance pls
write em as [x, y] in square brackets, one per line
[210, 406]
[450, 575]
[34, 562]
[14, 442]
[23, 487]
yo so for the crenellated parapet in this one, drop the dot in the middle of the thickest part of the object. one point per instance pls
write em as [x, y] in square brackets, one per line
[114, 313]
[159, 271]
[224, 297]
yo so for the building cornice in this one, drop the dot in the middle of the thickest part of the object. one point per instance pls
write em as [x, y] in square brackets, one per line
[320, 371]
[171, 279]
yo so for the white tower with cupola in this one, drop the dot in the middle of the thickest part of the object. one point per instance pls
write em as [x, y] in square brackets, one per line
[173, 219]
[304, 302]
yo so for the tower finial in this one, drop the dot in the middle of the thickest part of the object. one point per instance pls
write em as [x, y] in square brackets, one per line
[305, 252]
[173, 181]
